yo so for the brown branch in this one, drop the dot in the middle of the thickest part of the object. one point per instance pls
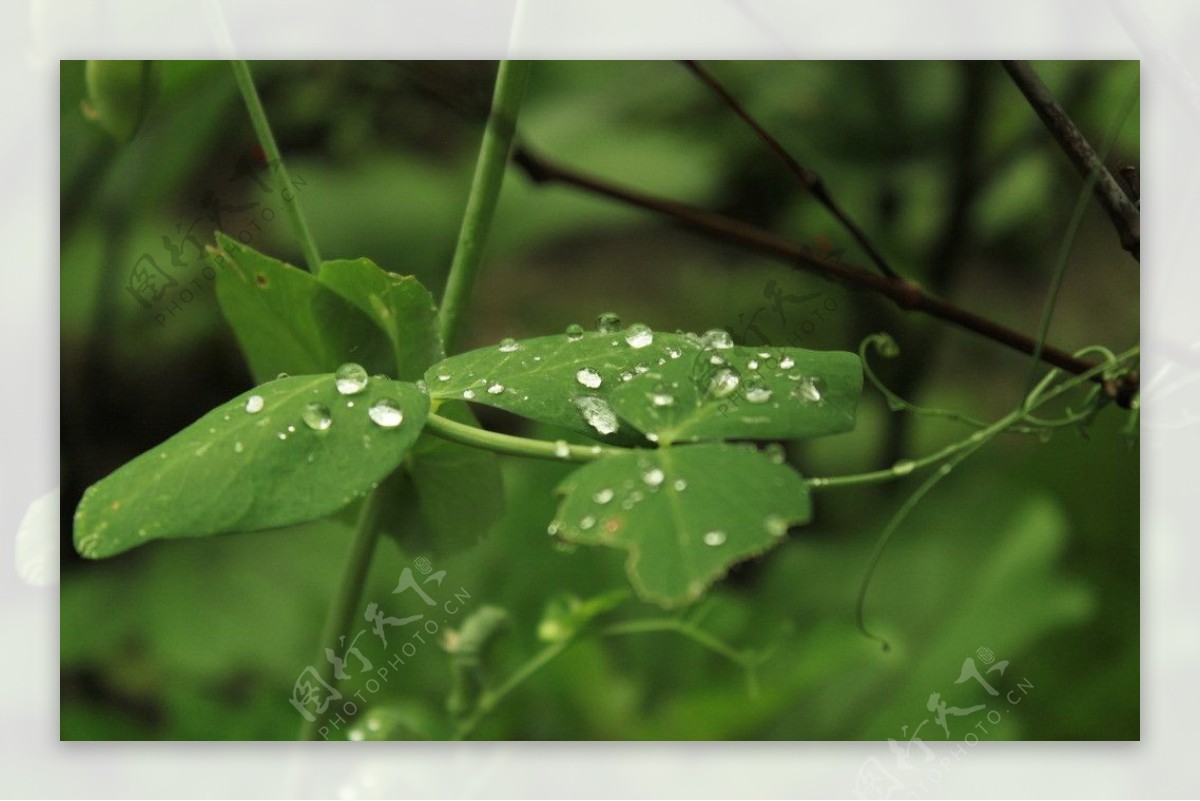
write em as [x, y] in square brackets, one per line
[1121, 211]
[904, 294]
[808, 179]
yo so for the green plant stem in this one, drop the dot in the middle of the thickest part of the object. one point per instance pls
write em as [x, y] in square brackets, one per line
[1022, 414]
[516, 446]
[491, 698]
[485, 191]
[291, 200]
[345, 602]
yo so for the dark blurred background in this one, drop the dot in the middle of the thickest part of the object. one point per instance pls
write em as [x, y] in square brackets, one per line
[1030, 549]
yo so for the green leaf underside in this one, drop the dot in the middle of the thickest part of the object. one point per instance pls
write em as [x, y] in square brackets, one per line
[541, 380]
[232, 470]
[287, 321]
[726, 494]
[401, 307]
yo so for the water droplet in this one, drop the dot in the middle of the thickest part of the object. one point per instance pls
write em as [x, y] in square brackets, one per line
[281, 435]
[561, 449]
[317, 417]
[716, 359]
[757, 392]
[468, 394]
[717, 339]
[674, 353]
[762, 354]
[714, 538]
[574, 332]
[349, 404]
[589, 378]
[652, 436]
[776, 525]
[904, 467]
[774, 451]
[787, 363]
[291, 429]
[626, 375]
[587, 522]
[639, 335]
[238, 447]
[603, 496]
[662, 399]
[752, 365]
[495, 389]
[653, 477]
[608, 323]
[385, 413]
[640, 368]
[254, 404]
[350, 379]
[597, 413]
[508, 345]
[281, 376]
[724, 382]
[554, 527]
[809, 389]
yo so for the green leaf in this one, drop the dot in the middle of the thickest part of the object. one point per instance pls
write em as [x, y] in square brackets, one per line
[287, 321]
[460, 489]
[120, 93]
[744, 393]
[685, 514]
[401, 307]
[233, 470]
[665, 388]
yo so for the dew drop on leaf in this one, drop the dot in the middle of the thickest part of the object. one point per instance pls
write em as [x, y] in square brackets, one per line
[662, 399]
[714, 538]
[608, 323]
[758, 393]
[443, 377]
[680, 485]
[574, 332]
[587, 522]
[254, 404]
[653, 477]
[776, 526]
[809, 390]
[317, 416]
[603, 496]
[350, 379]
[468, 394]
[639, 336]
[724, 382]
[495, 389]
[589, 378]
[717, 339]
[787, 363]
[597, 413]
[386, 413]
[238, 447]
[508, 345]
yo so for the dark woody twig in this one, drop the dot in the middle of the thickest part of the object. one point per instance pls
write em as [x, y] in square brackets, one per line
[905, 294]
[1120, 209]
[809, 179]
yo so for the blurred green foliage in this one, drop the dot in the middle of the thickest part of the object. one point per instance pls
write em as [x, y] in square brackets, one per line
[1029, 549]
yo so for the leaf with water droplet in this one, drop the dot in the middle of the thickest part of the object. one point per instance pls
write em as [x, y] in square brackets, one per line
[262, 470]
[663, 505]
[401, 307]
[286, 320]
[721, 402]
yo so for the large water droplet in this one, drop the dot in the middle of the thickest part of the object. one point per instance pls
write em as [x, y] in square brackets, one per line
[589, 378]
[757, 392]
[724, 382]
[508, 345]
[254, 404]
[787, 363]
[574, 332]
[639, 335]
[350, 379]
[603, 496]
[714, 538]
[810, 389]
[608, 323]
[597, 413]
[317, 416]
[386, 413]
[495, 389]
[717, 339]
[653, 477]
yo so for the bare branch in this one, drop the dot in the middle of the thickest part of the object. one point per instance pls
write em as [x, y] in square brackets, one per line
[1120, 209]
[810, 180]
